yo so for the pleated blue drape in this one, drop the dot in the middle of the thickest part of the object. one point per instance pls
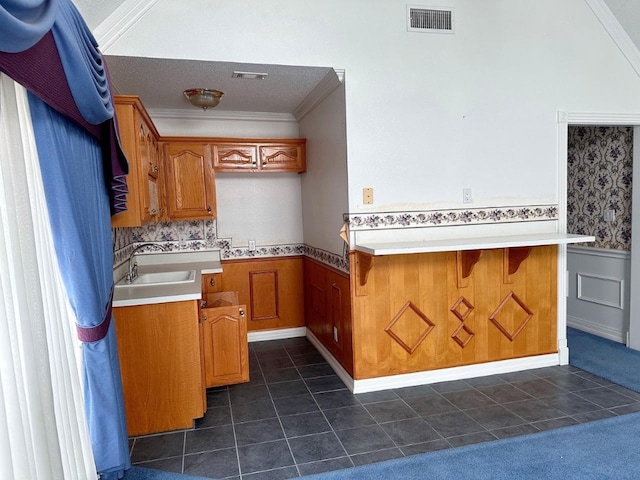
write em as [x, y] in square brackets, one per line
[78, 204]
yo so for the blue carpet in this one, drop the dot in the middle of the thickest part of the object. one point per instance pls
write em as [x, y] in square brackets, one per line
[604, 358]
[138, 473]
[605, 449]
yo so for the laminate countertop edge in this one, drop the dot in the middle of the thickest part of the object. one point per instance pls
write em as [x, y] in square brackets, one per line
[476, 243]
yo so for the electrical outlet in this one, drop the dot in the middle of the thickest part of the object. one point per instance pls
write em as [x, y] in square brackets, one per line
[252, 245]
[367, 196]
[609, 215]
[466, 195]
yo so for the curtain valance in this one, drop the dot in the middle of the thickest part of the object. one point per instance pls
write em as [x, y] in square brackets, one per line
[46, 46]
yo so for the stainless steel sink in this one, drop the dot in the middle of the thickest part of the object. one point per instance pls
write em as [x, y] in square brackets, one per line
[160, 278]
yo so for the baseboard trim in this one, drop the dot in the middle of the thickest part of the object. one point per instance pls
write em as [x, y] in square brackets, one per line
[455, 373]
[264, 335]
[596, 329]
[331, 360]
[433, 376]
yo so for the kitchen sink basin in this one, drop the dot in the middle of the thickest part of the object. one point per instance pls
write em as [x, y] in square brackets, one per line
[160, 278]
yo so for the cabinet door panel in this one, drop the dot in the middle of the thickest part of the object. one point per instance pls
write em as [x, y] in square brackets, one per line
[189, 181]
[160, 364]
[272, 290]
[263, 287]
[234, 157]
[284, 158]
[139, 140]
[224, 342]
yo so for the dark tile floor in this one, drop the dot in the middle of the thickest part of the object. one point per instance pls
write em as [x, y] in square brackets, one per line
[296, 417]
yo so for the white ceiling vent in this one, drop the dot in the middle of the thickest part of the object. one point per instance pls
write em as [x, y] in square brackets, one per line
[430, 19]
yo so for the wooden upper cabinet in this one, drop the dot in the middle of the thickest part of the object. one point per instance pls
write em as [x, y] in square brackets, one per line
[253, 155]
[234, 157]
[190, 182]
[139, 140]
[282, 158]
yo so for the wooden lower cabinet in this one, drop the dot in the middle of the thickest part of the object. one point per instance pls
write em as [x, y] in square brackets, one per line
[271, 289]
[428, 311]
[223, 338]
[160, 363]
[328, 310]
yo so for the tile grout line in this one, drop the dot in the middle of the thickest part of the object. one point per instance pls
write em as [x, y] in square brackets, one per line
[322, 412]
[284, 433]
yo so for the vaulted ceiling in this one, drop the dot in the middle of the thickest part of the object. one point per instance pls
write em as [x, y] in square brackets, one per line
[287, 87]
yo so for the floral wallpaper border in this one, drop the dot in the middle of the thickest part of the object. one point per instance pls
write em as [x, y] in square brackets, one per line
[433, 218]
[333, 260]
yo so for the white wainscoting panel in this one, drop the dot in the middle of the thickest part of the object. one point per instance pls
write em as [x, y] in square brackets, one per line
[598, 295]
[601, 290]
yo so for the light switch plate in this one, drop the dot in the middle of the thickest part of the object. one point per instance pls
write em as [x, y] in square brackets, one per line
[252, 245]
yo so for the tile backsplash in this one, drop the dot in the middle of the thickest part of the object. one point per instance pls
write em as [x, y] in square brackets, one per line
[196, 235]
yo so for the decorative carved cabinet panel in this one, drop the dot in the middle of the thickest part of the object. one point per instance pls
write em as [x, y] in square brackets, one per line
[427, 311]
[251, 155]
[190, 181]
[224, 345]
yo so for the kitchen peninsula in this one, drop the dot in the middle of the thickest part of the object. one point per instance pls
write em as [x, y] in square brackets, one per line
[429, 311]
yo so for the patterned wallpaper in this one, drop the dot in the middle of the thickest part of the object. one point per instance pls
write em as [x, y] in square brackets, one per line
[600, 161]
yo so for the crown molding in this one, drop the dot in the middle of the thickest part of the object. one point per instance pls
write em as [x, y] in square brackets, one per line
[197, 114]
[328, 84]
[616, 32]
[121, 20]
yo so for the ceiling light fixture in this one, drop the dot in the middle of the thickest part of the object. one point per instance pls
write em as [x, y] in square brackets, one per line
[203, 97]
[250, 75]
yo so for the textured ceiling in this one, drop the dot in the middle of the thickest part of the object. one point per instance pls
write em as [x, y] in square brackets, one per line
[160, 83]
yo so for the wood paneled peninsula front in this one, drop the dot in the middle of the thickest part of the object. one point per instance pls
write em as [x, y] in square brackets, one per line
[423, 308]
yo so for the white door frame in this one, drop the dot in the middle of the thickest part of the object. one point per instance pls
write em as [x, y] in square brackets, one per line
[584, 118]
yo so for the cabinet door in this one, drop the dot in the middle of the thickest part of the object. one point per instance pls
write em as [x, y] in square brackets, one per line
[282, 158]
[139, 141]
[339, 318]
[224, 342]
[234, 157]
[189, 182]
[160, 364]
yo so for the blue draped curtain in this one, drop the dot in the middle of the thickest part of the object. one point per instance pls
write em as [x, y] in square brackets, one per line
[46, 46]
[73, 177]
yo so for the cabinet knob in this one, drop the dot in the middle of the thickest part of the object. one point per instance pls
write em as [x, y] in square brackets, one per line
[154, 211]
[212, 282]
[241, 312]
[209, 211]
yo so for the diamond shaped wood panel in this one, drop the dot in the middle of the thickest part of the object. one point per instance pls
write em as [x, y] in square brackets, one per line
[409, 327]
[514, 316]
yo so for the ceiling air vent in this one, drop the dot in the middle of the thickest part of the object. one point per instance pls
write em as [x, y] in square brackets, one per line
[430, 19]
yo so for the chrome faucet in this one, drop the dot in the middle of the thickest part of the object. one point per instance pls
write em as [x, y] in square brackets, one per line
[133, 265]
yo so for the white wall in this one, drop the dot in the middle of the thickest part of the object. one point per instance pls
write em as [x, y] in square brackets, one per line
[427, 115]
[324, 185]
[599, 291]
[266, 207]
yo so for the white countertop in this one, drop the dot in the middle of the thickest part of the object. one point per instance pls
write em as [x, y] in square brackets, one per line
[201, 262]
[478, 243]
